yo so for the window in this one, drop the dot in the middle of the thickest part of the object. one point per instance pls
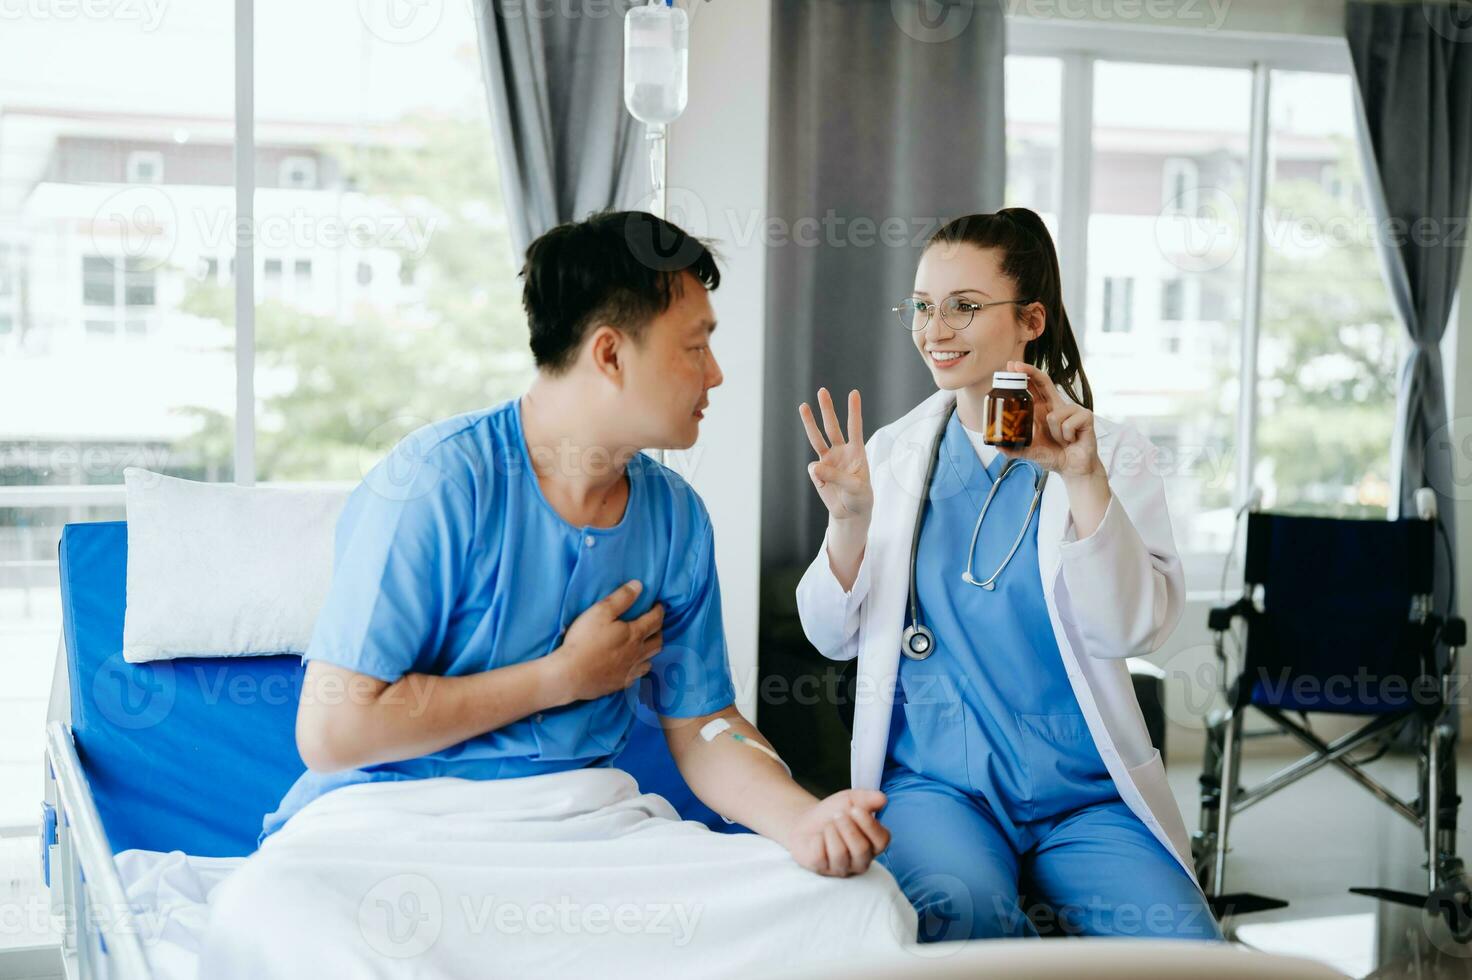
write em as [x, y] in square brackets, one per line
[1330, 344]
[114, 360]
[1034, 93]
[121, 287]
[271, 274]
[1167, 190]
[1173, 300]
[299, 173]
[99, 281]
[145, 167]
[1180, 179]
[139, 283]
[406, 143]
[1118, 299]
[7, 275]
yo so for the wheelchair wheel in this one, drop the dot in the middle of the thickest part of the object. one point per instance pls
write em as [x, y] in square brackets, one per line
[1453, 902]
[1203, 842]
[1203, 856]
[1452, 899]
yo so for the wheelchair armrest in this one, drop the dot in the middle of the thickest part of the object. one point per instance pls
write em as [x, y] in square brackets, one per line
[1220, 618]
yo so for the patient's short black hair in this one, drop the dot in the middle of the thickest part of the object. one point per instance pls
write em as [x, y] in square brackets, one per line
[621, 268]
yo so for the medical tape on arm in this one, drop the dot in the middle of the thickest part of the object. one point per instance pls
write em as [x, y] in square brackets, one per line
[716, 726]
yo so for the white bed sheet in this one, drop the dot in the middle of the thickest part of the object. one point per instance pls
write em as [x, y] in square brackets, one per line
[169, 894]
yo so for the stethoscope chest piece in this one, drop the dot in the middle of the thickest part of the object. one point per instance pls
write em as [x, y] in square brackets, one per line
[918, 642]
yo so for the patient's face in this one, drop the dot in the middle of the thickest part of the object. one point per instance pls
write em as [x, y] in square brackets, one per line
[995, 335]
[671, 370]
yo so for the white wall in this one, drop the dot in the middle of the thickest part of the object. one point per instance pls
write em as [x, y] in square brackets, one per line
[718, 189]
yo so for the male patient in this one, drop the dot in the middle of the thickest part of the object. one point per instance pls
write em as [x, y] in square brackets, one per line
[507, 581]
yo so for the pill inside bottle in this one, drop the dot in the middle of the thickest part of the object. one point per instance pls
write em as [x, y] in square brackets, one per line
[1007, 415]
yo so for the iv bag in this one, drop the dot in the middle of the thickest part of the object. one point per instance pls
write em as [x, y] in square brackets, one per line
[656, 63]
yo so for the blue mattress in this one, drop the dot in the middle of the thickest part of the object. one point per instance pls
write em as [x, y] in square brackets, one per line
[190, 754]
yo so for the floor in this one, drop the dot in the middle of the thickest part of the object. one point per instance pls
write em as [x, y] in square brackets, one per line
[26, 924]
[1310, 843]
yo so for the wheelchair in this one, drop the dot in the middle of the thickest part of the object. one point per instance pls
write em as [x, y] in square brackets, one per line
[1338, 619]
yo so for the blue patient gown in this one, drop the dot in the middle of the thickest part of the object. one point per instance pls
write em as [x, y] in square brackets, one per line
[449, 561]
[1001, 809]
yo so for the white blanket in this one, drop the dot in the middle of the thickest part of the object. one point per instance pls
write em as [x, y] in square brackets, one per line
[169, 897]
[571, 874]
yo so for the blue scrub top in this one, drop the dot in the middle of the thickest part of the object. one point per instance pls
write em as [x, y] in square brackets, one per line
[991, 711]
[450, 561]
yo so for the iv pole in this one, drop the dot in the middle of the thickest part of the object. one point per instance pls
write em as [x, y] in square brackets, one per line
[657, 136]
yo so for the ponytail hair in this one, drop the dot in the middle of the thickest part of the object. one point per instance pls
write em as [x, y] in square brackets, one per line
[1029, 260]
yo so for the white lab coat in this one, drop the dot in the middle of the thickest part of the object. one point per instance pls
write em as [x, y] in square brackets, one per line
[1117, 593]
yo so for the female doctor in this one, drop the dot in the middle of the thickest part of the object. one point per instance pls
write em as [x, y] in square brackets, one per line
[992, 597]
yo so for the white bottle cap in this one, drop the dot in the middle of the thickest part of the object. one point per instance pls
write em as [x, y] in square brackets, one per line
[1009, 379]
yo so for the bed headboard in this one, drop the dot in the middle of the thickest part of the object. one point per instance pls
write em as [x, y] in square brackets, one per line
[190, 754]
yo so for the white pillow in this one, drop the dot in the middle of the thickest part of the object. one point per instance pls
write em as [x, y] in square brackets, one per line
[216, 570]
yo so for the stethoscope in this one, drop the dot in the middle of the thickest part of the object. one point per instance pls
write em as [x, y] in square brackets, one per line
[918, 642]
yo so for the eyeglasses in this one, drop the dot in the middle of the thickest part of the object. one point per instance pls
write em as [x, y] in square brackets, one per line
[957, 311]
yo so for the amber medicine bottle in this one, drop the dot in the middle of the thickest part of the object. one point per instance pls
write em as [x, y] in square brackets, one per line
[1007, 418]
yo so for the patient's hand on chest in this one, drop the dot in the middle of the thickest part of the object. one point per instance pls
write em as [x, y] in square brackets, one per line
[601, 653]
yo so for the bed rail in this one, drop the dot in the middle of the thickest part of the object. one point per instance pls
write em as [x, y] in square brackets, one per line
[100, 938]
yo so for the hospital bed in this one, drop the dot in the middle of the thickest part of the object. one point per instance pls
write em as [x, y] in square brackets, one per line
[177, 756]
[185, 756]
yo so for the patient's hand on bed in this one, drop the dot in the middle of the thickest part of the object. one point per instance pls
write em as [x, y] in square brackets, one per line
[840, 835]
[836, 836]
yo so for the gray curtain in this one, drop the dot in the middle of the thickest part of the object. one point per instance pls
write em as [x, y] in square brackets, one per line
[565, 144]
[886, 120]
[1413, 66]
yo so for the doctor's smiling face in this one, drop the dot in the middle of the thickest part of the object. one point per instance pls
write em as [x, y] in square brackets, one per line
[988, 291]
[965, 339]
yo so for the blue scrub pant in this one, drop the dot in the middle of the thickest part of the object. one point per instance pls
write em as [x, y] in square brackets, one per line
[1097, 871]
